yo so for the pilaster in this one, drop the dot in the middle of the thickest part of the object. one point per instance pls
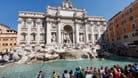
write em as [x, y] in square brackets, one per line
[93, 38]
[20, 24]
[38, 31]
[77, 32]
[29, 31]
[86, 32]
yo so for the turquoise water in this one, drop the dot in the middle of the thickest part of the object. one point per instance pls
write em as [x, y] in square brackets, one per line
[30, 71]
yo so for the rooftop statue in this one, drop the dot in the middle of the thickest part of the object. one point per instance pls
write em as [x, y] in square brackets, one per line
[67, 4]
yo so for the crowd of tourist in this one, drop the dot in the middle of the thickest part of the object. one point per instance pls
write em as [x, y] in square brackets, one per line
[129, 71]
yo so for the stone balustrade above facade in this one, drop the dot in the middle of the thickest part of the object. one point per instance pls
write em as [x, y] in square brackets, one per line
[31, 14]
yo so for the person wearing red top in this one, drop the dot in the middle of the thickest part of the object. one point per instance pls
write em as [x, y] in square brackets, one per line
[116, 73]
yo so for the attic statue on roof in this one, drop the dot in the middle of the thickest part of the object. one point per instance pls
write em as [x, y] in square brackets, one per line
[67, 4]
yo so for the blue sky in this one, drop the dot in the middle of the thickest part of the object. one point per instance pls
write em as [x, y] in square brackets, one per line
[9, 8]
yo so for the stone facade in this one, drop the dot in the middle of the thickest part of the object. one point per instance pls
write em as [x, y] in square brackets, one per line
[7, 38]
[59, 27]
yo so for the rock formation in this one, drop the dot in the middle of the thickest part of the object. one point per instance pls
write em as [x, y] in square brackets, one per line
[21, 56]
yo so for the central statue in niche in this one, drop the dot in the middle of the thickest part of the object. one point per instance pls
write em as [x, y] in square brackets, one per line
[68, 34]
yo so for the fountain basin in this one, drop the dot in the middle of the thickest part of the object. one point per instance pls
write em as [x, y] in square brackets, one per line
[31, 70]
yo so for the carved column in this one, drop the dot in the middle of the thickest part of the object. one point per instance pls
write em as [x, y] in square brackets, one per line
[93, 25]
[77, 32]
[86, 32]
[59, 32]
[38, 31]
[29, 31]
[19, 36]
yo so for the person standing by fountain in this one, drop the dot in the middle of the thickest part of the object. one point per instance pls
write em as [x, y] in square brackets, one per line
[41, 75]
[55, 74]
[78, 73]
[65, 74]
[71, 74]
[102, 72]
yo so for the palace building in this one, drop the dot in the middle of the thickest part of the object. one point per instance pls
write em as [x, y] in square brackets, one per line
[123, 27]
[59, 26]
[7, 38]
[122, 31]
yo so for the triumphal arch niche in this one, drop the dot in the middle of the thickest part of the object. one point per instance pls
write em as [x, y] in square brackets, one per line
[68, 35]
[59, 26]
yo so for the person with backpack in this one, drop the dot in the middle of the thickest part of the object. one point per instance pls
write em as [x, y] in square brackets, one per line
[78, 73]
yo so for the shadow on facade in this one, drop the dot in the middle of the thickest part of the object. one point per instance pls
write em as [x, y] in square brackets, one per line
[126, 52]
[102, 43]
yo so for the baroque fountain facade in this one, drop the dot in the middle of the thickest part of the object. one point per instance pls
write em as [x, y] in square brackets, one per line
[59, 30]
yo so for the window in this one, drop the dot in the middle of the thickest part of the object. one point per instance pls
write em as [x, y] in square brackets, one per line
[5, 44]
[116, 20]
[125, 30]
[33, 35]
[133, 35]
[24, 22]
[33, 48]
[123, 22]
[131, 18]
[23, 36]
[43, 23]
[130, 10]
[125, 36]
[10, 44]
[5, 39]
[136, 34]
[117, 25]
[7, 30]
[133, 26]
[96, 36]
[34, 23]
